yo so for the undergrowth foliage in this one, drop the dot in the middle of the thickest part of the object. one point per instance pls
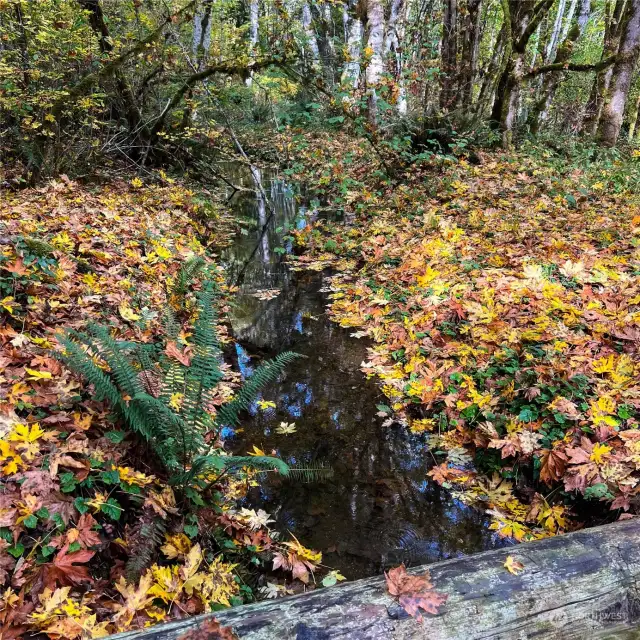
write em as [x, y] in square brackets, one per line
[170, 401]
[503, 300]
[119, 506]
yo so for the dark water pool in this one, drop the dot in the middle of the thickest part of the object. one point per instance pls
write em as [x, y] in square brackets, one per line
[360, 493]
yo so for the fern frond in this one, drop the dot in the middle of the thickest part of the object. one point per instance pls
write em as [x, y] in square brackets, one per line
[78, 360]
[168, 434]
[256, 463]
[188, 272]
[217, 464]
[147, 536]
[170, 324]
[310, 472]
[205, 371]
[265, 374]
[112, 353]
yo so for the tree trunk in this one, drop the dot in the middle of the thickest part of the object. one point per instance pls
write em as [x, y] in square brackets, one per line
[375, 38]
[202, 34]
[613, 109]
[593, 109]
[254, 17]
[354, 32]
[393, 38]
[552, 45]
[579, 586]
[312, 51]
[323, 19]
[521, 18]
[471, 36]
[125, 93]
[551, 81]
[633, 118]
[568, 21]
[491, 76]
[449, 54]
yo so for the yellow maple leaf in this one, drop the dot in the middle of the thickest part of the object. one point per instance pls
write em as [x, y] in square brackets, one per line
[127, 313]
[24, 433]
[600, 452]
[513, 566]
[50, 604]
[27, 507]
[176, 545]
[27, 439]
[38, 375]
[256, 452]
[8, 304]
[304, 552]
[135, 599]
[266, 404]
[167, 583]
[11, 461]
[97, 501]
[604, 364]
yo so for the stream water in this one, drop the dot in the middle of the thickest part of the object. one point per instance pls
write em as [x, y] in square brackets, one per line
[360, 493]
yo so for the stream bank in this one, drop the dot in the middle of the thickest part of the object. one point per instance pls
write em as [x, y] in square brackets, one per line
[359, 491]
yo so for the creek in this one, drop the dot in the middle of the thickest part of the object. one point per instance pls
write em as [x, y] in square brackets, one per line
[359, 490]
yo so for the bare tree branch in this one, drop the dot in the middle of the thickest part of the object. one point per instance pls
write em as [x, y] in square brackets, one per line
[569, 66]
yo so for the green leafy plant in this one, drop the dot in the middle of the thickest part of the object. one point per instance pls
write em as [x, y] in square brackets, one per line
[168, 403]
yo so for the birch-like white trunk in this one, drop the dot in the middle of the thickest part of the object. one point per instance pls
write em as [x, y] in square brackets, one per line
[254, 16]
[311, 44]
[552, 45]
[202, 34]
[375, 40]
[354, 32]
[568, 21]
[393, 36]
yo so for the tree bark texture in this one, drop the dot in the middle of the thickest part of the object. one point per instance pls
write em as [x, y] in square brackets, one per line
[600, 86]
[616, 99]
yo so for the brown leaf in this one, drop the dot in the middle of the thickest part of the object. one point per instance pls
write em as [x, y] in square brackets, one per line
[16, 267]
[414, 592]
[429, 601]
[7, 563]
[554, 462]
[67, 569]
[173, 352]
[83, 532]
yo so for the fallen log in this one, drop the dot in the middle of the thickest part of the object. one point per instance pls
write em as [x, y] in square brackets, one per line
[582, 585]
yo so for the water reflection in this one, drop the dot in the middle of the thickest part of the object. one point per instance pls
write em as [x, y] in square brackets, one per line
[377, 508]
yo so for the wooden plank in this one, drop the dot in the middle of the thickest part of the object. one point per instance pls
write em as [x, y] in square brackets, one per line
[579, 586]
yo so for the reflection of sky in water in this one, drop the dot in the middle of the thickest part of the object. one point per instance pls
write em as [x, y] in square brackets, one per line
[244, 361]
[379, 489]
[227, 432]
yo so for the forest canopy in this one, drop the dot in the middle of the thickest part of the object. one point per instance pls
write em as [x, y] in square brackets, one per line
[145, 81]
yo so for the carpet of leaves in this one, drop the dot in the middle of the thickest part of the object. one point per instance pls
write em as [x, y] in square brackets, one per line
[75, 489]
[503, 301]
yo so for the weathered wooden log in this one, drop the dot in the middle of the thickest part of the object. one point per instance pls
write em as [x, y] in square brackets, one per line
[582, 585]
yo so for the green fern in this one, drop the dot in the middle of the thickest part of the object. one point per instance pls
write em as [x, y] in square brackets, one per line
[169, 404]
[306, 472]
[186, 275]
[265, 374]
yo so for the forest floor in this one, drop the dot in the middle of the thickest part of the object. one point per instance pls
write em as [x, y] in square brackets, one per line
[81, 498]
[503, 299]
